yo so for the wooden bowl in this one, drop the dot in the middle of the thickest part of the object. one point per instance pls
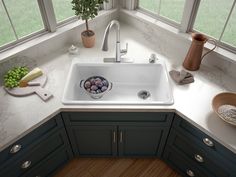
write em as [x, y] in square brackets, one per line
[226, 98]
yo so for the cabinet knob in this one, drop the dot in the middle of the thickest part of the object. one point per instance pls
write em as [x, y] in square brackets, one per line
[198, 158]
[190, 173]
[208, 142]
[26, 164]
[15, 148]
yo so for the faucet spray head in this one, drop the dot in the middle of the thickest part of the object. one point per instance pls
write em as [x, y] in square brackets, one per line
[106, 34]
[105, 39]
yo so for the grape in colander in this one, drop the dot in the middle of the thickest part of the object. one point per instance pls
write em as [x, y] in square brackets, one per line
[96, 85]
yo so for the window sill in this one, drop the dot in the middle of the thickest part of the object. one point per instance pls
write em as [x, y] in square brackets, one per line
[227, 55]
[20, 47]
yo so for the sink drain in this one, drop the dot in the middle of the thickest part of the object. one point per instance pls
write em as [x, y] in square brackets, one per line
[144, 94]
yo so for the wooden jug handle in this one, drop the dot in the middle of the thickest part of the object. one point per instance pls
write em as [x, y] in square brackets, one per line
[214, 42]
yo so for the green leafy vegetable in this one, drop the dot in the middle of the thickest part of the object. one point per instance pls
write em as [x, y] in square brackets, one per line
[13, 76]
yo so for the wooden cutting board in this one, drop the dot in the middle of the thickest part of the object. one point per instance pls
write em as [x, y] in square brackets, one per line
[29, 90]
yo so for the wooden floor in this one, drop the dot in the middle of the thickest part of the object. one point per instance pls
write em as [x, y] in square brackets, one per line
[114, 167]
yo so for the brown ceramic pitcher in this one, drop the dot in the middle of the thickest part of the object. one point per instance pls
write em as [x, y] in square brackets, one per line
[194, 56]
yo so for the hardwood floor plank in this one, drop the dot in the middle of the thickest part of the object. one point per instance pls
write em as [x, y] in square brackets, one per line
[153, 169]
[101, 166]
[77, 167]
[116, 167]
[136, 168]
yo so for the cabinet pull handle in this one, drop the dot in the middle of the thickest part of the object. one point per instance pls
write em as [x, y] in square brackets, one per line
[121, 137]
[198, 158]
[208, 142]
[114, 136]
[26, 164]
[16, 148]
[190, 172]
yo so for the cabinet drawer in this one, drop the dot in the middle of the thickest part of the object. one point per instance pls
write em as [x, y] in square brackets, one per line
[214, 166]
[48, 166]
[182, 164]
[20, 146]
[202, 140]
[39, 152]
[163, 119]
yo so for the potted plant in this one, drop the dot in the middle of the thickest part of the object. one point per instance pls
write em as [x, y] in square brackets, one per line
[86, 9]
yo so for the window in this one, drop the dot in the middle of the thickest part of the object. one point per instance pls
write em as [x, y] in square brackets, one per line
[24, 19]
[6, 31]
[17, 20]
[150, 5]
[229, 35]
[63, 9]
[214, 18]
[169, 9]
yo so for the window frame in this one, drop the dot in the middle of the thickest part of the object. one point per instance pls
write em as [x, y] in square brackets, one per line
[47, 19]
[219, 42]
[157, 16]
[188, 19]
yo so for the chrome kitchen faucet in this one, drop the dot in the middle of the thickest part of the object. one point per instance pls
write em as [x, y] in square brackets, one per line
[119, 52]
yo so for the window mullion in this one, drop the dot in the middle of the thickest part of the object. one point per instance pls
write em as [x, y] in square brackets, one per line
[48, 15]
[130, 4]
[13, 28]
[189, 15]
[159, 8]
[108, 5]
[227, 20]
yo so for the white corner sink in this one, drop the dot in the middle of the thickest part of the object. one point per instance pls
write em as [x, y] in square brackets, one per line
[127, 81]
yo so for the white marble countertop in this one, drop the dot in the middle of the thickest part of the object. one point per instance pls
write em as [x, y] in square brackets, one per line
[21, 115]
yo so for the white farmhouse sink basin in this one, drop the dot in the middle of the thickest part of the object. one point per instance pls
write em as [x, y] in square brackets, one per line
[128, 81]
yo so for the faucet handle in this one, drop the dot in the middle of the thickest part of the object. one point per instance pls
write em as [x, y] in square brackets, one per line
[124, 51]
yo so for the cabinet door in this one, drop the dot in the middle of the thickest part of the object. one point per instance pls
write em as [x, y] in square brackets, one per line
[141, 139]
[92, 139]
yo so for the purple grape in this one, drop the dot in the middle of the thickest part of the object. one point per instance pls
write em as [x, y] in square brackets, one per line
[98, 83]
[88, 89]
[98, 79]
[94, 87]
[92, 80]
[87, 84]
[105, 83]
[104, 88]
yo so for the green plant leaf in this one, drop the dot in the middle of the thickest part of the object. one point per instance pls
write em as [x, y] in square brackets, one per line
[86, 9]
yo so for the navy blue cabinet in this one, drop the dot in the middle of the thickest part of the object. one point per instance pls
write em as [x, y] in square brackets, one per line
[123, 134]
[141, 139]
[39, 153]
[93, 139]
[118, 133]
[193, 153]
